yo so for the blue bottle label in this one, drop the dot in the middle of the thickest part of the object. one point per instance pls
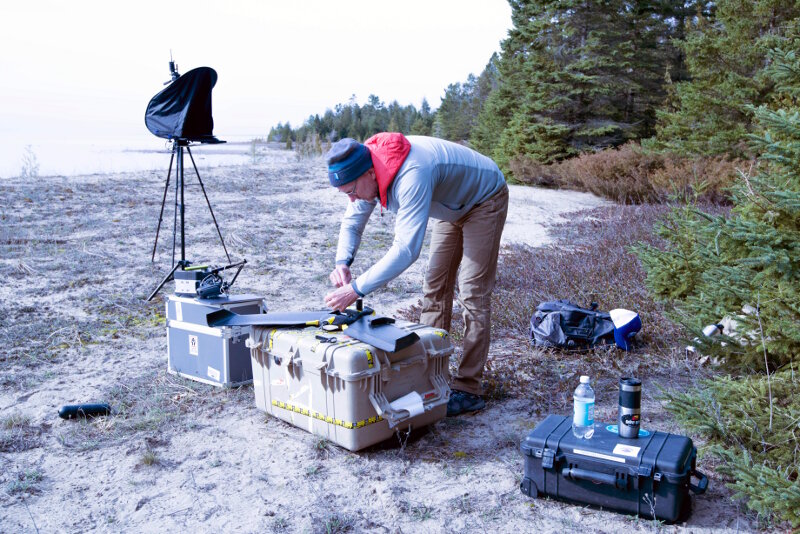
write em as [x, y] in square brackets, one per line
[584, 413]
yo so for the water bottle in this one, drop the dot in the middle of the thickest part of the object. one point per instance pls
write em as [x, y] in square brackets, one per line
[583, 416]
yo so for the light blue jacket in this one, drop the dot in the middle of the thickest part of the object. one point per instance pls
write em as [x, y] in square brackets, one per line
[438, 179]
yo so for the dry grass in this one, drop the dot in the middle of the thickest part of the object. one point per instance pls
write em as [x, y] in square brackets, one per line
[149, 407]
[25, 482]
[17, 434]
[336, 523]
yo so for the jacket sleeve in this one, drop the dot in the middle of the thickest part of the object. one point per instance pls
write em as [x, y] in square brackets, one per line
[414, 201]
[355, 219]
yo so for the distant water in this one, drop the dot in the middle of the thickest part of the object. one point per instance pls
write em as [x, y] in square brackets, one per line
[70, 157]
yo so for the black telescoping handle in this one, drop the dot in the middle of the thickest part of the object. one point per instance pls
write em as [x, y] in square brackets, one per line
[593, 476]
[702, 484]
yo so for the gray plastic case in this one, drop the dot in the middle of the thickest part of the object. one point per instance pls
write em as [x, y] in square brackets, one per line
[345, 390]
[216, 356]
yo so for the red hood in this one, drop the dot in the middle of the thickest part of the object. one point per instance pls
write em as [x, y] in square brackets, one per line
[388, 151]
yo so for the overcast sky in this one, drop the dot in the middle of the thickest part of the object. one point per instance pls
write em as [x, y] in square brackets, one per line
[89, 68]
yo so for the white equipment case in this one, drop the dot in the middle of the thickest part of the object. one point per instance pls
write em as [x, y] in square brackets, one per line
[345, 390]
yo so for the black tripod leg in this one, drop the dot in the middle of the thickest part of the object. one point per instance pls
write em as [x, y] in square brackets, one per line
[163, 201]
[164, 281]
[235, 276]
[178, 185]
[209, 204]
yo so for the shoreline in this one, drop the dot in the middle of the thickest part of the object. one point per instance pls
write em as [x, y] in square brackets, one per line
[55, 158]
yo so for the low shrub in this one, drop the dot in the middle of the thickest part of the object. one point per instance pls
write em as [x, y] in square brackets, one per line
[531, 172]
[631, 175]
[621, 174]
[17, 433]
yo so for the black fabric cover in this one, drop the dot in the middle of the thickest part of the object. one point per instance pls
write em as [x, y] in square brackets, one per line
[183, 110]
[564, 324]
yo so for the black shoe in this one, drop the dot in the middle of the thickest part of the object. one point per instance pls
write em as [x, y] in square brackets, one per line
[463, 402]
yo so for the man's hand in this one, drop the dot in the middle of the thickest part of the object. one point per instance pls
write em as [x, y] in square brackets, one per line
[341, 298]
[340, 275]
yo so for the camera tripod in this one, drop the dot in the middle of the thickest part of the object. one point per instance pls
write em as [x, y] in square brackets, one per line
[178, 147]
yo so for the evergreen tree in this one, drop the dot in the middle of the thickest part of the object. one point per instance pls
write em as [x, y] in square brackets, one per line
[423, 124]
[463, 103]
[716, 265]
[751, 424]
[513, 79]
[726, 49]
[274, 133]
[453, 113]
[286, 134]
[576, 75]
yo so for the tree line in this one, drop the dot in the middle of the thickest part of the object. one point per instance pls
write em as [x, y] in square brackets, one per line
[576, 76]
[359, 122]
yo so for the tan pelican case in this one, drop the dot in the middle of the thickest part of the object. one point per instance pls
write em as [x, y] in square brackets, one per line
[347, 391]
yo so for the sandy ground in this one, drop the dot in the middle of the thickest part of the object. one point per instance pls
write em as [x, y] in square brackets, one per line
[182, 456]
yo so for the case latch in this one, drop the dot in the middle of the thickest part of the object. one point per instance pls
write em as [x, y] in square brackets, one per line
[548, 455]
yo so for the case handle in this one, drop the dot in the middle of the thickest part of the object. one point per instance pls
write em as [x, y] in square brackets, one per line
[702, 484]
[251, 343]
[593, 476]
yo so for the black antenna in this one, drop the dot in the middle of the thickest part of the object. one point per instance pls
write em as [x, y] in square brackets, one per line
[173, 70]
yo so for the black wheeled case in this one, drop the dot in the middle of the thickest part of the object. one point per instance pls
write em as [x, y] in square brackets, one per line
[649, 476]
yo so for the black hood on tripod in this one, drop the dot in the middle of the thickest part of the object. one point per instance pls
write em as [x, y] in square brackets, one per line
[183, 110]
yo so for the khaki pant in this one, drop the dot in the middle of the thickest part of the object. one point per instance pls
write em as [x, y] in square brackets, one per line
[474, 243]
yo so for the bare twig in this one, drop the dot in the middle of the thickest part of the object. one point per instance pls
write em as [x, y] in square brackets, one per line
[30, 514]
[753, 195]
[402, 437]
[511, 466]
[123, 308]
[94, 253]
[27, 269]
[57, 331]
[766, 362]
[181, 510]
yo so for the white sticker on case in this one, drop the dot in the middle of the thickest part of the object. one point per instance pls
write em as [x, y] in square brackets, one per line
[213, 373]
[599, 455]
[626, 450]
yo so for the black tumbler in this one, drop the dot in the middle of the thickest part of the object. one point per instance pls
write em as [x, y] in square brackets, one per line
[630, 407]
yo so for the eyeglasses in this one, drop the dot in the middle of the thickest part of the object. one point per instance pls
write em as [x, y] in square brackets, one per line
[352, 191]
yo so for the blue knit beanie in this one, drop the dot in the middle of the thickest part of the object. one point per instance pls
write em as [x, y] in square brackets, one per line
[347, 160]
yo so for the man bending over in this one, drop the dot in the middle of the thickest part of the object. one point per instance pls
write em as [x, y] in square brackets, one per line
[419, 178]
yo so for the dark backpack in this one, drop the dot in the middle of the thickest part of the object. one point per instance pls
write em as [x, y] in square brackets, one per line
[564, 324]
